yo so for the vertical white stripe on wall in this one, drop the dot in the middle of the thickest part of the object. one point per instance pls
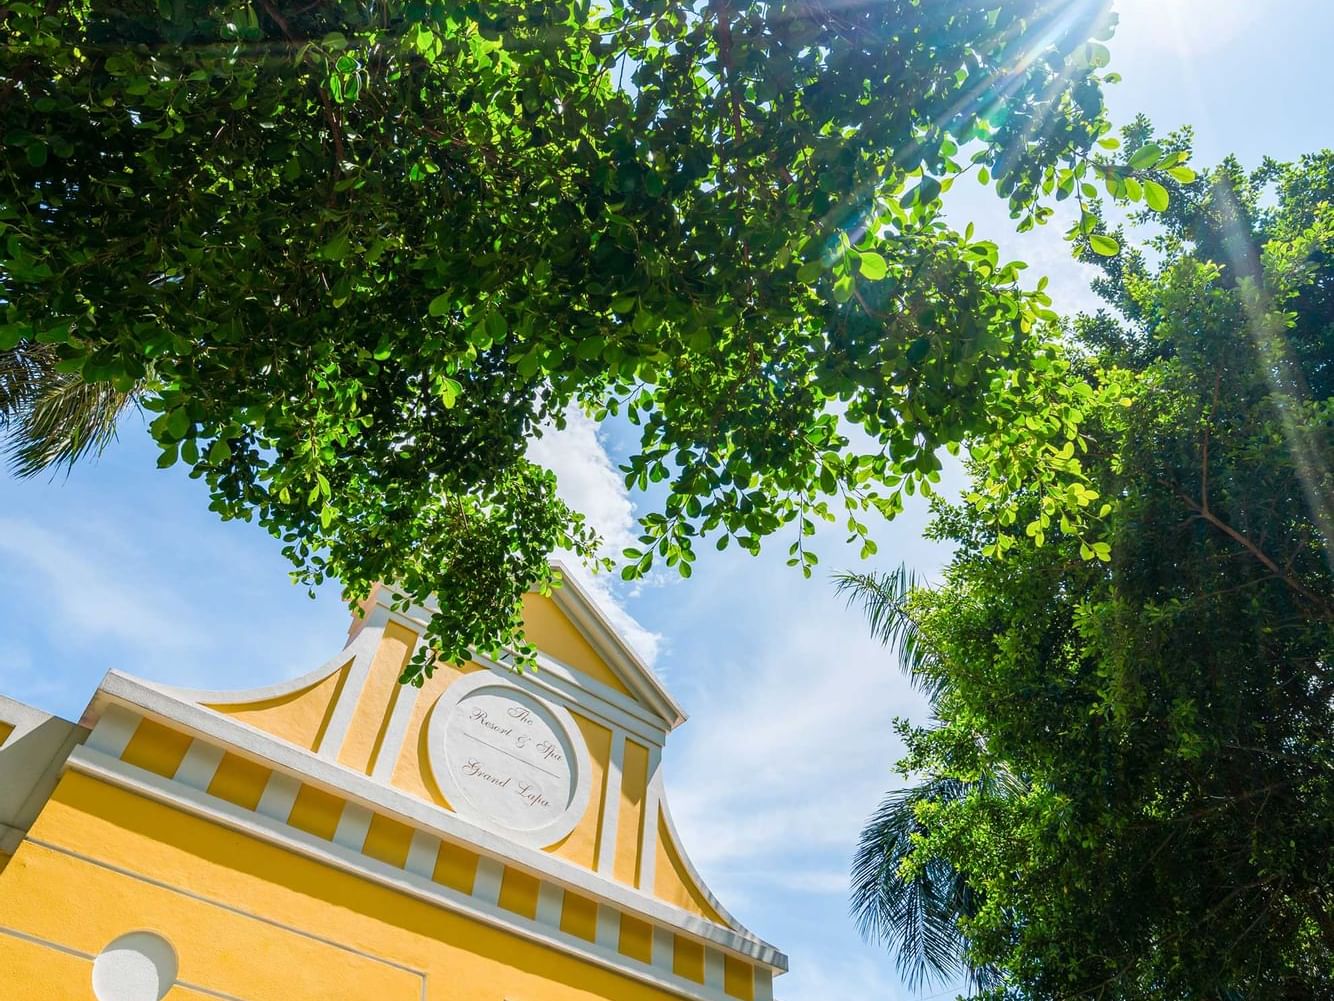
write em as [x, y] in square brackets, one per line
[609, 927]
[550, 902]
[486, 885]
[422, 854]
[611, 804]
[363, 650]
[278, 796]
[404, 700]
[664, 949]
[114, 730]
[764, 984]
[713, 969]
[352, 826]
[199, 765]
[648, 851]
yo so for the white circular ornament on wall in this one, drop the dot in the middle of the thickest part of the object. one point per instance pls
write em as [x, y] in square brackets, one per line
[507, 760]
[140, 966]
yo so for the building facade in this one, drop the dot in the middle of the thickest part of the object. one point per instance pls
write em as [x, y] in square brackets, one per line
[489, 836]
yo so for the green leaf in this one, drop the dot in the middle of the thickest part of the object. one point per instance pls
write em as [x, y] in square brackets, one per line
[1182, 174]
[1155, 195]
[1145, 157]
[873, 266]
[1104, 245]
[336, 248]
[809, 273]
[440, 304]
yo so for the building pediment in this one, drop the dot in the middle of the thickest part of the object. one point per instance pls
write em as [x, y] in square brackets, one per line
[532, 801]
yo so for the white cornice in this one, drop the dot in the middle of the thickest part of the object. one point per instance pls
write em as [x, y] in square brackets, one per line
[110, 770]
[164, 704]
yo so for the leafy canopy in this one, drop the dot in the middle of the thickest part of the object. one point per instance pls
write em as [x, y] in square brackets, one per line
[353, 256]
[1128, 792]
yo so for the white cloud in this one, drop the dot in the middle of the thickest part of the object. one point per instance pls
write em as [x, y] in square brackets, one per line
[590, 483]
[792, 750]
[91, 596]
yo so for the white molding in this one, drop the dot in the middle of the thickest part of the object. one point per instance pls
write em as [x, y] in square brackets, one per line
[279, 797]
[281, 756]
[550, 904]
[486, 883]
[404, 701]
[199, 765]
[658, 712]
[192, 801]
[115, 727]
[367, 642]
[22, 717]
[422, 854]
[609, 927]
[714, 971]
[353, 824]
[648, 844]
[611, 805]
[264, 693]
[615, 703]
[764, 984]
[581, 607]
[437, 723]
[664, 949]
[691, 871]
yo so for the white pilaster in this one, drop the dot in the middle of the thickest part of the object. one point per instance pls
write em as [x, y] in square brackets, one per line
[664, 949]
[764, 984]
[713, 969]
[550, 901]
[363, 649]
[199, 765]
[114, 730]
[611, 804]
[422, 854]
[486, 886]
[609, 927]
[404, 699]
[352, 826]
[648, 851]
[278, 796]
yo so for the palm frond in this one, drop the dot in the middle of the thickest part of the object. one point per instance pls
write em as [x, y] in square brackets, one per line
[884, 598]
[50, 418]
[916, 918]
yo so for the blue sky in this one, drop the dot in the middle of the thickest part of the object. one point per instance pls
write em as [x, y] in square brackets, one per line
[789, 745]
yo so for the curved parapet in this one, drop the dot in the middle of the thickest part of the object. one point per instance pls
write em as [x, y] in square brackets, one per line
[532, 802]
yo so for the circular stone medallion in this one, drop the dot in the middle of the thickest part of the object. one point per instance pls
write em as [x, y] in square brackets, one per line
[508, 760]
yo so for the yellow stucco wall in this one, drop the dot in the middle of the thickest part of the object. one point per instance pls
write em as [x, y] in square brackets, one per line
[254, 920]
[251, 920]
[299, 717]
[550, 631]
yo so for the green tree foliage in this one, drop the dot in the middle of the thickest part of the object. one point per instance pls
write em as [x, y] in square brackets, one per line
[1128, 790]
[353, 256]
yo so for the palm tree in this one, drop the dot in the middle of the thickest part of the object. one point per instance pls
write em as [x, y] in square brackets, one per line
[917, 917]
[51, 418]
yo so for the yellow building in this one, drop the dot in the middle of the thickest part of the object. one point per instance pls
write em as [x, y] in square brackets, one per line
[487, 837]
